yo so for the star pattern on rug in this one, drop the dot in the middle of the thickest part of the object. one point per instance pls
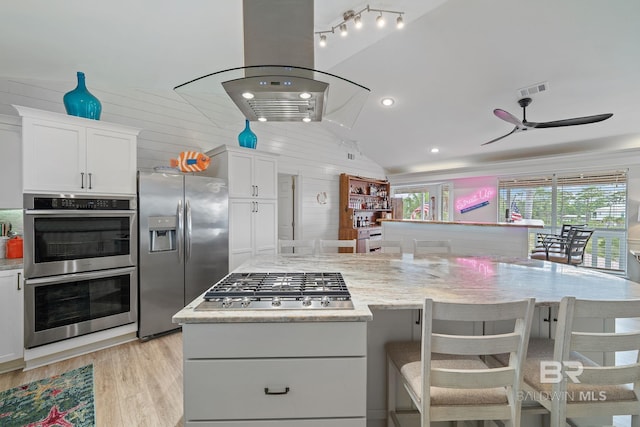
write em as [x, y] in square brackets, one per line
[54, 418]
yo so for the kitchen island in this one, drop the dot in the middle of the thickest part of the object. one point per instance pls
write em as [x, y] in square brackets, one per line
[387, 292]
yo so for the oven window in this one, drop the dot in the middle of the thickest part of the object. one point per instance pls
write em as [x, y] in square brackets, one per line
[62, 239]
[78, 301]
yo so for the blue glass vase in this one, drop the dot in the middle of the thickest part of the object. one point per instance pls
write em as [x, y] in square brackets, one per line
[247, 138]
[80, 102]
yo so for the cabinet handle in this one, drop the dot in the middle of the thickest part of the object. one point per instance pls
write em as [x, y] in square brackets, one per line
[257, 191]
[256, 206]
[19, 280]
[81, 179]
[267, 391]
[90, 180]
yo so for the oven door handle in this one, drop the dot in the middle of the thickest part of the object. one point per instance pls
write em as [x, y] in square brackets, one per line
[53, 212]
[187, 243]
[180, 229]
[78, 276]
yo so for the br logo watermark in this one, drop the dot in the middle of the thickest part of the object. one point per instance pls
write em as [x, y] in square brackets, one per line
[551, 372]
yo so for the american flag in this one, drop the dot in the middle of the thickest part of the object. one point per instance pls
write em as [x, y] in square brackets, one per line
[515, 212]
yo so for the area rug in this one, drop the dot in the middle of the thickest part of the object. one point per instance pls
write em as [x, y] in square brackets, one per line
[64, 400]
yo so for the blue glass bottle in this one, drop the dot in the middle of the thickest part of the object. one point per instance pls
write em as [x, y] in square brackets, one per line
[247, 138]
[80, 102]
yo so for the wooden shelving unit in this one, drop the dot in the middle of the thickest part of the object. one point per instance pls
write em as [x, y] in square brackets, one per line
[362, 202]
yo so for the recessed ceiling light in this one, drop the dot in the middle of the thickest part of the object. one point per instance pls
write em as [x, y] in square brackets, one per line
[435, 150]
[248, 95]
[305, 95]
[387, 102]
[262, 119]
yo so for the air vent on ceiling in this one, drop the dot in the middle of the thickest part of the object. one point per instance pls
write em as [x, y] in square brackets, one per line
[526, 92]
[351, 156]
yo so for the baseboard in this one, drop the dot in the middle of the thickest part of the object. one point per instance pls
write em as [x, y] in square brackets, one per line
[72, 347]
[14, 365]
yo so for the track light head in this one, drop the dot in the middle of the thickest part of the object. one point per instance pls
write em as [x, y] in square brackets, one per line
[343, 30]
[399, 22]
[323, 40]
[357, 21]
[380, 20]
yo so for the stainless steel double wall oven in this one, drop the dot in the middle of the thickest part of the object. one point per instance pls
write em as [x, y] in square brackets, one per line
[80, 256]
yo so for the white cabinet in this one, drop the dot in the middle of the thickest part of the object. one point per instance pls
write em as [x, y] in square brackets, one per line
[253, 200]
[264, 374]
[11, 316]
[71, 154]
[10, 172]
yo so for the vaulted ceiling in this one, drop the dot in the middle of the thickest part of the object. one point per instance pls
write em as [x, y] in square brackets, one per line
[452, 64]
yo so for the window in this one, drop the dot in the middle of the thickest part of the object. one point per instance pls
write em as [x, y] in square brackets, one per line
[597, 200]
[424, 202]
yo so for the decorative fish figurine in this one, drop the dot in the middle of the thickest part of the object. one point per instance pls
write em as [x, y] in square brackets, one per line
[191, 161]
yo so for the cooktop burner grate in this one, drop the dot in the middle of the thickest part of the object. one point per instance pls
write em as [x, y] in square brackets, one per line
[278, 290]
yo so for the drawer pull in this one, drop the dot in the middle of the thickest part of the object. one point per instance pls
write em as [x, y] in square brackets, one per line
[267, 391]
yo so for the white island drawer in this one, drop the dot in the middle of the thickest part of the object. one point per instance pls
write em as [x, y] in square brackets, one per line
[295, 339]
[240, 389]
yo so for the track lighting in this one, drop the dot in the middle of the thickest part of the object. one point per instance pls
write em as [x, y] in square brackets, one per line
[350, 15]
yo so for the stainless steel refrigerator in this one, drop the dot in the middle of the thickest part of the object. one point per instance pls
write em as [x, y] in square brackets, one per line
[183, 244]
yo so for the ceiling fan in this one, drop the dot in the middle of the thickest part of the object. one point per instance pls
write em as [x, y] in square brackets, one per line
[525, 125]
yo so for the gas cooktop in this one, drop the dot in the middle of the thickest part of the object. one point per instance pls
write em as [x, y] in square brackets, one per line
[272, 291]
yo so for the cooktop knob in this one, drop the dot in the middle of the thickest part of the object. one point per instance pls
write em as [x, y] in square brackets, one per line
[226, 302]
[324, 301]
[306, 301]
[245, 302]
[276, 302]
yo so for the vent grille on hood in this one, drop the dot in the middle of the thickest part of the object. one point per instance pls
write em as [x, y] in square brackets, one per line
[277, 31]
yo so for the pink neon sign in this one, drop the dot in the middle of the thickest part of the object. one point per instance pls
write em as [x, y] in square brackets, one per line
[480, 196]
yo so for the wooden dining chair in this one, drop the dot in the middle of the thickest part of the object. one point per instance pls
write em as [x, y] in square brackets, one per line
[385, 246]
[327, 246]
[446, 376]
[574, 385]
[427, 247]
[296, 246]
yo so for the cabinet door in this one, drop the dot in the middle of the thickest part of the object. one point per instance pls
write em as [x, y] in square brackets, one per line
[54, 156]
[265, 227]
[11, 315]
[265, 177]
[111, 162]
[11, 170]
[241, 175]
[240, 231]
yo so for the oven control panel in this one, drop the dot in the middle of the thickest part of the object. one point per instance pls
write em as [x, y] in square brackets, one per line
[74, 203]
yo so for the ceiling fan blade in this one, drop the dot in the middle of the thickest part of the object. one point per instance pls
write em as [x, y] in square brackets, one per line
[507, 117]
[569, 122]
[515, 129]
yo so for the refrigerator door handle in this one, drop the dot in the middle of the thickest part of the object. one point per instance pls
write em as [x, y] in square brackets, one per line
[180, 231]
[187, 243]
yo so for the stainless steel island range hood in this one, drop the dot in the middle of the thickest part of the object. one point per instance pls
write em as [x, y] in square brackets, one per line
[276, 32]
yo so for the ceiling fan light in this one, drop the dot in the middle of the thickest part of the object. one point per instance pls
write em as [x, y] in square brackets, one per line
[380, 21]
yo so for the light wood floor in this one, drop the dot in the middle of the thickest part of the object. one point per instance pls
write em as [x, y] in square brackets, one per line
[136, 384]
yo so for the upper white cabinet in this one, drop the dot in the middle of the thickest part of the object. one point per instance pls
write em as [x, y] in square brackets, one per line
[11, 170]
[63, 153]
[11, 316]
[251, 174]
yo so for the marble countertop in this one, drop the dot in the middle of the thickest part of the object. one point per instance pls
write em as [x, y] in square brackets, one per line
[385, 281]
[11, 263]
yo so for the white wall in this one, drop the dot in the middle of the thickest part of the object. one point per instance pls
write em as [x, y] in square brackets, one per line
[171, 125]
